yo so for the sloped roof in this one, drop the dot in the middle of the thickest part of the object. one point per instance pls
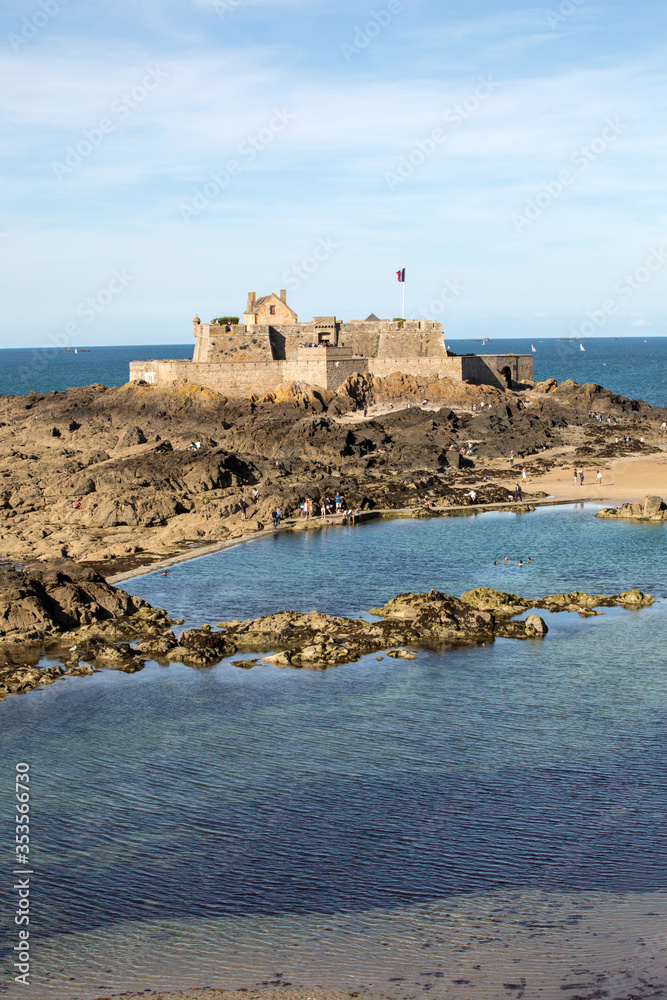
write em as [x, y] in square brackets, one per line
[372, 319]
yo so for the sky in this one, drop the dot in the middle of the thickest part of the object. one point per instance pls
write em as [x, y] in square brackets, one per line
[165, 157]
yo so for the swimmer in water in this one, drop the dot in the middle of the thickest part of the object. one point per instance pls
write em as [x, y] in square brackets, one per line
[505, 558]
[164, 572]
[520, 562]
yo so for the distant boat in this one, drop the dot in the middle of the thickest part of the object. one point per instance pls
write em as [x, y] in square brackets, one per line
[581, 347]
[75, 351]
[533, 348]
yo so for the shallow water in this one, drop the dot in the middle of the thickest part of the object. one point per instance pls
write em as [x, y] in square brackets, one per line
[504, 803]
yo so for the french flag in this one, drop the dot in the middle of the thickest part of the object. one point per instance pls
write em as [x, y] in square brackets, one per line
[401, 274]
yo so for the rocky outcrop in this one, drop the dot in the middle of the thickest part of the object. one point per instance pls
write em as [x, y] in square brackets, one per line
[649, 509]
[418, 620]
[505, 605]
[47, 598]
[119, 484]
[72, 615]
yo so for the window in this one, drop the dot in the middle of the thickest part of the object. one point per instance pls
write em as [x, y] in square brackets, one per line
[272, 310]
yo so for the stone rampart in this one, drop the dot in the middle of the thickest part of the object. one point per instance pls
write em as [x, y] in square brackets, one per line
[426, 368]
[328, 368]
[500, 370]
[386, 339]
[228, 378]
[240, 343]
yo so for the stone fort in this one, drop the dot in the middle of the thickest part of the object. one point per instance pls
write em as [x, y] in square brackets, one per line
[271, 349]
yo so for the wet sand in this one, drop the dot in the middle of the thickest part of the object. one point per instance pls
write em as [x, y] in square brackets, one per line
[529, 945]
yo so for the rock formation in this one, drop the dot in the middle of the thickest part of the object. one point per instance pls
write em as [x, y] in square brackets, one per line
[648, 509]
[72, 615]
[114, 475]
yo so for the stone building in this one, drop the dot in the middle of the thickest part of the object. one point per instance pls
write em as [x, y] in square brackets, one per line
[271, 349]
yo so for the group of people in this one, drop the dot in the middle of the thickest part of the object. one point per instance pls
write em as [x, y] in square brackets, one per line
[506, 559]
[244, 505]
[308, 508]
[327, 507]
[578, 477]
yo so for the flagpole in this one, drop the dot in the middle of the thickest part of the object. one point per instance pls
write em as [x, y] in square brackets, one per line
[403, 298]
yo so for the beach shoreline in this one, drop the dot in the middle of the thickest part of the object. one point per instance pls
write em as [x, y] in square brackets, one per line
[624, 480]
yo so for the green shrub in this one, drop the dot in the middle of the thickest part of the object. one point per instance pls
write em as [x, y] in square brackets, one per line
[224, 320]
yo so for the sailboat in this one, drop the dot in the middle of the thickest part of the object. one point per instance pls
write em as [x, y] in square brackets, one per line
[581, 347]
[75, 351]
[533, 348]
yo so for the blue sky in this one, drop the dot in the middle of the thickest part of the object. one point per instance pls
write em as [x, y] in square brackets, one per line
[163, 157]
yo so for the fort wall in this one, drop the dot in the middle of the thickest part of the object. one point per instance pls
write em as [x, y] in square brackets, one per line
[420, 367]
[329, 368]
[499, 370]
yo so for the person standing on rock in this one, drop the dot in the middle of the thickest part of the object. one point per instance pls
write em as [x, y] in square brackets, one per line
[274, 518]
[339, 501]
[517, 493]
[244, 506]
[279, 515]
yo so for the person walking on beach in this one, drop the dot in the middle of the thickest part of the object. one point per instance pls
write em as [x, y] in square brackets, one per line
[575, 480]
[581, 476]
[517, 493]
[599, 478]
[524, 474]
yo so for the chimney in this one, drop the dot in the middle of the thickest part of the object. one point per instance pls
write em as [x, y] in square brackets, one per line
[251, 301]
[283, 295]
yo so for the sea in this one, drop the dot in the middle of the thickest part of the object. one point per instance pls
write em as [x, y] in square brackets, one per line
[630, 366]
[476, 823]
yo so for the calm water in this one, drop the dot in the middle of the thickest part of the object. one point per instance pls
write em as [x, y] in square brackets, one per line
[630, 366]
[502, 807]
